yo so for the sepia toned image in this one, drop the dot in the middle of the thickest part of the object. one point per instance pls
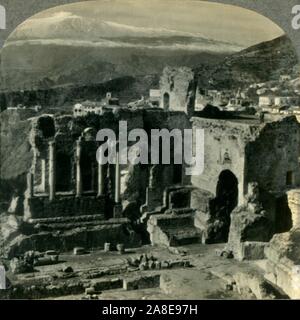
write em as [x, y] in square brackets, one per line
[149, 151]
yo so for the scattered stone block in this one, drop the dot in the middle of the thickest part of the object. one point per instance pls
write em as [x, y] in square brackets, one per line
[108, 284]
[187, 264]
[253, 250]
[227, 255]
[138, 283]
[144, 266]
[177, 251]
[219, 252]
[89, 291]
[107, 247]
[165, 265]
[78, 251]
[121, 248]
[52, 253]
[67, 269]
[176, 264]
[47, 260]
[18, 266]
[228, 287]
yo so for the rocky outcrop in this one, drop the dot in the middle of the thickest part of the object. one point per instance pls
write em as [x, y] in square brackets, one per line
[283, 267]
[250, 228]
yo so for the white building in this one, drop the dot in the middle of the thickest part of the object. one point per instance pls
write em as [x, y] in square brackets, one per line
[83, 109]
[286, 101]
[267, 99]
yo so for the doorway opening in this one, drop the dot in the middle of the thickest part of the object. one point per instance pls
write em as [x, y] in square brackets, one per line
[224, 203]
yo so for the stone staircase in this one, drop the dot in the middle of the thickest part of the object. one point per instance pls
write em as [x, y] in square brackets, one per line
[173, 224]
[64, 233]
[174, 229]
[67, 223]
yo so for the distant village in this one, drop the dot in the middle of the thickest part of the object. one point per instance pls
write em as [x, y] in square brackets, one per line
[272, 98]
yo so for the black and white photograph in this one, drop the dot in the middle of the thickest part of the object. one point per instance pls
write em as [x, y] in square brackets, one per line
[149, 150]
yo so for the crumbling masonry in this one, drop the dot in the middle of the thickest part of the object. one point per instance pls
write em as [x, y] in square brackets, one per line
[246, 198]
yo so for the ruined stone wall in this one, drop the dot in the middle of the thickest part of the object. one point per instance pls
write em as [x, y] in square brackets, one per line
[273, 154]
[178, 89]
[224, 149]
[42, 207]
[15, 155]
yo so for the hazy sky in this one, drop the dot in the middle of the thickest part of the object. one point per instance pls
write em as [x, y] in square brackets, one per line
[211, 20]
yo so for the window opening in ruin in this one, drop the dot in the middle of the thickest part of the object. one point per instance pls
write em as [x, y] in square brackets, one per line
[289, 178]
[283, 215]
[46, 125]
[63, 173]
[166, 101]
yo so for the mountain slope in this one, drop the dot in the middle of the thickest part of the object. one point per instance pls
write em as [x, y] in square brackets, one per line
[67, 48]
[260, 63]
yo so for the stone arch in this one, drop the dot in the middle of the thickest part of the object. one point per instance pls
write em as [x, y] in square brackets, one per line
[47, 126]
[225, 202]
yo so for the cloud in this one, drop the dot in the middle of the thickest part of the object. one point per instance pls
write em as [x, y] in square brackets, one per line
[197, 46]
[151, 31]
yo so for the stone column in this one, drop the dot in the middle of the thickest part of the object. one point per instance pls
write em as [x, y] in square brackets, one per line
[294, 205]
[43, 176]
[117, 179]
[30, 185]
[78, 169]
[118, 210]
[52, 165]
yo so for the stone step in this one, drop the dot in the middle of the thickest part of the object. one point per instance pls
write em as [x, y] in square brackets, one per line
[89, 237]
[173, 221]
[68, 225]
[180, 211]
[173, 230]
[95, 217]
[184, 236]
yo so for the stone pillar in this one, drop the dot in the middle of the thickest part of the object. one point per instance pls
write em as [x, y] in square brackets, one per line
[294, 205]
[52, 165]
[117, 179]
[43, 176]
[30, 185]
[78, 169]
